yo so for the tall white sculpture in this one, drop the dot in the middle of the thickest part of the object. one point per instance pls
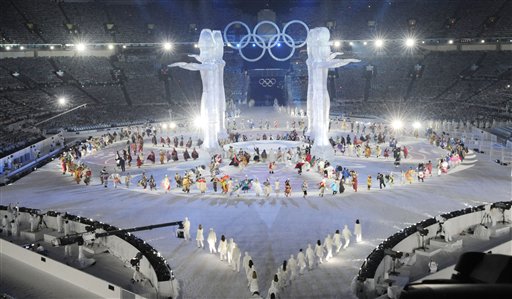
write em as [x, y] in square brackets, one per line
[320, 60]
[213, 99]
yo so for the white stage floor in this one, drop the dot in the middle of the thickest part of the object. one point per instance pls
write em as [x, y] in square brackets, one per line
[270, 229]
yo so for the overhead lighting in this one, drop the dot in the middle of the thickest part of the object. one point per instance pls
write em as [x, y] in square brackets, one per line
[410, 42]
[416, 125]
[482, 41]
[172, 125]
[397, 124]
[8, 48]
[351, 43]
[365, 43]
[110, 46]
[379, 43]
[62, 101]
[80, 47]
[124, 46]
[337, 43]
[167, 46]
[52, 47]
[22, 48]
[450, 41]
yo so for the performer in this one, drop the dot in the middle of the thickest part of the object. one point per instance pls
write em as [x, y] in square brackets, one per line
[287, 188]
[166, 184]
[322, 187]
[305, 188]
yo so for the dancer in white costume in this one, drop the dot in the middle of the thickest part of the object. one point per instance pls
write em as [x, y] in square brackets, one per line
[212, 240]
[213, 100]
[320, 60]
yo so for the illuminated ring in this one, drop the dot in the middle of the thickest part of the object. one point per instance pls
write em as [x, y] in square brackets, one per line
[286, 27]
[246, 28]
[265, 82]
[263, 50]
[270, 45]
[285, 36]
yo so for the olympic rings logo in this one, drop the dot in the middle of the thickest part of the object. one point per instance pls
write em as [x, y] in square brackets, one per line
[263, 43]
[267, 82]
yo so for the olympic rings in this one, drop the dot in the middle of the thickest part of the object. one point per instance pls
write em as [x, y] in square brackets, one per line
[267, 41]
[266, 82]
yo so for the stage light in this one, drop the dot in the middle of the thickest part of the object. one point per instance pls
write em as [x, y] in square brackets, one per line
[422, 41]
[172, 125]
[22, 48]
[195, 45]
[7, 48]
[164, 126]
[52, 47]
[110, 47]
[482, 41]
[379, 43]
[351, 43]
[279, 44]
[450, 41]
[80, 47]
[124, 46]
[410, 42]
[254, 45]
[365, 43]
[397, 124]
[337, 43]
[62, 101]
[198, 122]
[416, 125]
[167, 46]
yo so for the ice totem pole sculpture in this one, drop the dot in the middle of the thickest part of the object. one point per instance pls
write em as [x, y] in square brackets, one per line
[320, 60]
[213, 99]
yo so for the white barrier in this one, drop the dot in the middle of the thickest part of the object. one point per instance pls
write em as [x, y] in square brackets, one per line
[116, 246]
[61, 271]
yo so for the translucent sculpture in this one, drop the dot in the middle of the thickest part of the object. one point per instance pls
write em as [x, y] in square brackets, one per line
[213, 99]
[320, 60]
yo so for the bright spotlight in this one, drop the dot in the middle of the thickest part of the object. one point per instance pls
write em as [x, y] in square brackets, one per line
[7, 48]
[62, 101]
[279, 44]
[397, 124]
[416, 125]
[351, 43]
[164, 126]
[52, 47]
[450, 41]
[198, 122]
[167, 46]
[482, 41]
[195, 45]
[80, 47]
[337, 43]
[22, 48]
[110, 46]
[172, 125]
[124, 46]
[379, 43]
[410, 42]
[365, 43]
